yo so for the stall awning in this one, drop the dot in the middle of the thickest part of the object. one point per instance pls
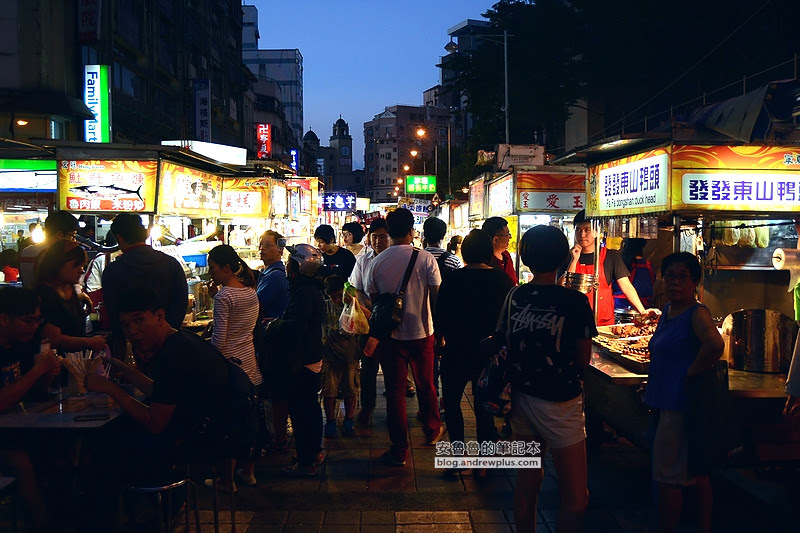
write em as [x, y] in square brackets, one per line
[45, 103]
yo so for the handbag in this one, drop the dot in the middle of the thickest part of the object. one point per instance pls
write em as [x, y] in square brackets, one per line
[387, 308]
[714, 435]
[493, 389]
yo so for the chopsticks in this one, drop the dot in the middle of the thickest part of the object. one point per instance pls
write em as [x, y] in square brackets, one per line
[78, 363]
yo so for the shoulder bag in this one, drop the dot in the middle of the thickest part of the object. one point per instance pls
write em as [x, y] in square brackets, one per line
[493, 389]
[387, 309]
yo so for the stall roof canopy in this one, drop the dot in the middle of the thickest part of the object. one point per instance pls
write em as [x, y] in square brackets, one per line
[45, 103]
[614, 147]
[176, 154]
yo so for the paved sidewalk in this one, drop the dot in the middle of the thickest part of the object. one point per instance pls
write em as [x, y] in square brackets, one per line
[355, 492]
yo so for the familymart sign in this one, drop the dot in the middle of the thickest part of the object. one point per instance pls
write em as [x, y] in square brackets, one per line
[97, 97]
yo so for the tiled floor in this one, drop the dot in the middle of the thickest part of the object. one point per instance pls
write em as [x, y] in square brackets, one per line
[354, 492]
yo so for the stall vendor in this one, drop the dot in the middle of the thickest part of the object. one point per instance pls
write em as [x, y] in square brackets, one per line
[612, 268]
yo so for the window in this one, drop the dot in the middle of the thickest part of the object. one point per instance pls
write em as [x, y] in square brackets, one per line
[58, 129]
[394, 149]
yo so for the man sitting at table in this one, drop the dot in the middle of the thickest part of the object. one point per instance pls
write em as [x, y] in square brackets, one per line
[23, 370]
[189, 381]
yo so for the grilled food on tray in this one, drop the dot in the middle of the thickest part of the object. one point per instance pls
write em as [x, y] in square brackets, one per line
[632, 330]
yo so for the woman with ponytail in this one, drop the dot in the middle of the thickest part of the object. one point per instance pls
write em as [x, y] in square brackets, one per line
[235, 316]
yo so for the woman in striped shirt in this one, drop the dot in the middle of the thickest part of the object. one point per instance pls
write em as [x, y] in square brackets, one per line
[235, 316]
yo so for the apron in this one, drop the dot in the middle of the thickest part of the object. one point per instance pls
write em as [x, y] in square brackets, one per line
[605, 303]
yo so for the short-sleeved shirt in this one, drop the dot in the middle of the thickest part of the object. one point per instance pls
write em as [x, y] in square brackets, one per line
[451, 261]
[273, 290]
[358, 278]
[16, 361]
[67, 315]
[386, 275]
[342, 263]
[191, 375]
[614, 267]
[235, 317]
[544, 324]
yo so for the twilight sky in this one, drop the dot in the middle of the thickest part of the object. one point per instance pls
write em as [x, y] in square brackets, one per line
[360, 56]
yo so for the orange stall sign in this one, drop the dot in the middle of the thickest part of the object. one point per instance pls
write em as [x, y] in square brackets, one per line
[107, 186]
[246, 197]
[188, 192]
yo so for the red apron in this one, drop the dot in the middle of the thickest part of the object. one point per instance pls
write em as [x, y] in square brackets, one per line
[605, 303]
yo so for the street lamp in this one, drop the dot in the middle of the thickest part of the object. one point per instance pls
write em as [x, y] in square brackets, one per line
[452, 47]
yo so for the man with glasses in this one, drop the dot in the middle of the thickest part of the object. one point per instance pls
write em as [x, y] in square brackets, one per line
[498, 230]
[23, 371]
[59, 226]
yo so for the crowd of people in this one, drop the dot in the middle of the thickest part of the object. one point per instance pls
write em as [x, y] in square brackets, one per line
[281, 326]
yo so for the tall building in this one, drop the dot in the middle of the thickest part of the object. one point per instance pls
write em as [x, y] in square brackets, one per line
[391, 141]
[268, 99]
[284, 67]
[174, 67]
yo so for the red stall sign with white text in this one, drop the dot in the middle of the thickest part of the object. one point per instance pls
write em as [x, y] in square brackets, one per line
[264, 140]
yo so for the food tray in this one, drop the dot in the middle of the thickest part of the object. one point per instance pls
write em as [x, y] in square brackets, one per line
[605, 331]
[627, 362]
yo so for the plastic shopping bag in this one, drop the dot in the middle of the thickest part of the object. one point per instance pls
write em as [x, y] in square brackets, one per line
[352, 319]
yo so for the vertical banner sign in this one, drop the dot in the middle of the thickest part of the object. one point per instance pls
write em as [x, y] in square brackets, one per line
[202, 109]
[97, 98]
[89, 21]
[264, 135]
[295, 160]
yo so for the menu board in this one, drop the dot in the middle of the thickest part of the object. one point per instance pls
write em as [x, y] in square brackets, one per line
[246, 197]
[98, 186]
[280, 202]
[476, 197]
[188, 192]
[500, 196]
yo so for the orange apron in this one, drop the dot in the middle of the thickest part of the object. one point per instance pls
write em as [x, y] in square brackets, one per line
[605, 303]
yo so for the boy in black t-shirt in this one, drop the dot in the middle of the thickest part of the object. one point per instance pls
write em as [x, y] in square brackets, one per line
[337, 260]
[550, 330]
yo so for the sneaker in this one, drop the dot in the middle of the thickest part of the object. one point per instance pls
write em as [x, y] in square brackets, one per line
[390, 460]
[222, 487]
[410, 392]
[347, 427]
[297, 470]
[248, 479]
[330, 429]
[436, 438]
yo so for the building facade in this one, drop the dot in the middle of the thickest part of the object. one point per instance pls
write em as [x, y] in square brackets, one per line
[283, 67]
[174, 66]
[406, 140]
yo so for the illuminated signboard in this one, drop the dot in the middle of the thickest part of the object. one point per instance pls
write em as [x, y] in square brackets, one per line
[96, 186]
[295, 162]
[477, 194]
[741, 178]
[264, 140]
[339, 201]
[245, 197]
[420, 184]
[500, 196]
[545, 201]
[280, 202]
[633, 185]
[188, 192]
[23, 175]
[97, 98]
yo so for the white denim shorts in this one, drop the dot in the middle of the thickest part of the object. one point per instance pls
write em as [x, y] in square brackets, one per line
[557, 424]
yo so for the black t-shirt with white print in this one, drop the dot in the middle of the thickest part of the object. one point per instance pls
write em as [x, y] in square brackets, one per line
[545, 323]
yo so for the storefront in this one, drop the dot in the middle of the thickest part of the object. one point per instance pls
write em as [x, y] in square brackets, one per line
[27, 194]
[732, 206]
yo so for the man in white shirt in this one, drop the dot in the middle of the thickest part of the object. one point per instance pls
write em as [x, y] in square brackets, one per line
[411, 344]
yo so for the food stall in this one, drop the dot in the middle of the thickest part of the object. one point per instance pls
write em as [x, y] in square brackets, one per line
[27, 193]
[692, 198]
[547, 195]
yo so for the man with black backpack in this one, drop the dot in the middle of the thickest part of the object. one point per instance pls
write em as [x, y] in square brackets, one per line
[194, 390]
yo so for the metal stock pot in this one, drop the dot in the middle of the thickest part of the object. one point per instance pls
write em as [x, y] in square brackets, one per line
[759, 340]
[584, 283]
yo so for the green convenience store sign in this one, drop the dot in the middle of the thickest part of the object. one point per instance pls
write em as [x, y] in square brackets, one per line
[420, 184]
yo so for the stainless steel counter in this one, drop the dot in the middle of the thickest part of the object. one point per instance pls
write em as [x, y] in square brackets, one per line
[742, 384]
